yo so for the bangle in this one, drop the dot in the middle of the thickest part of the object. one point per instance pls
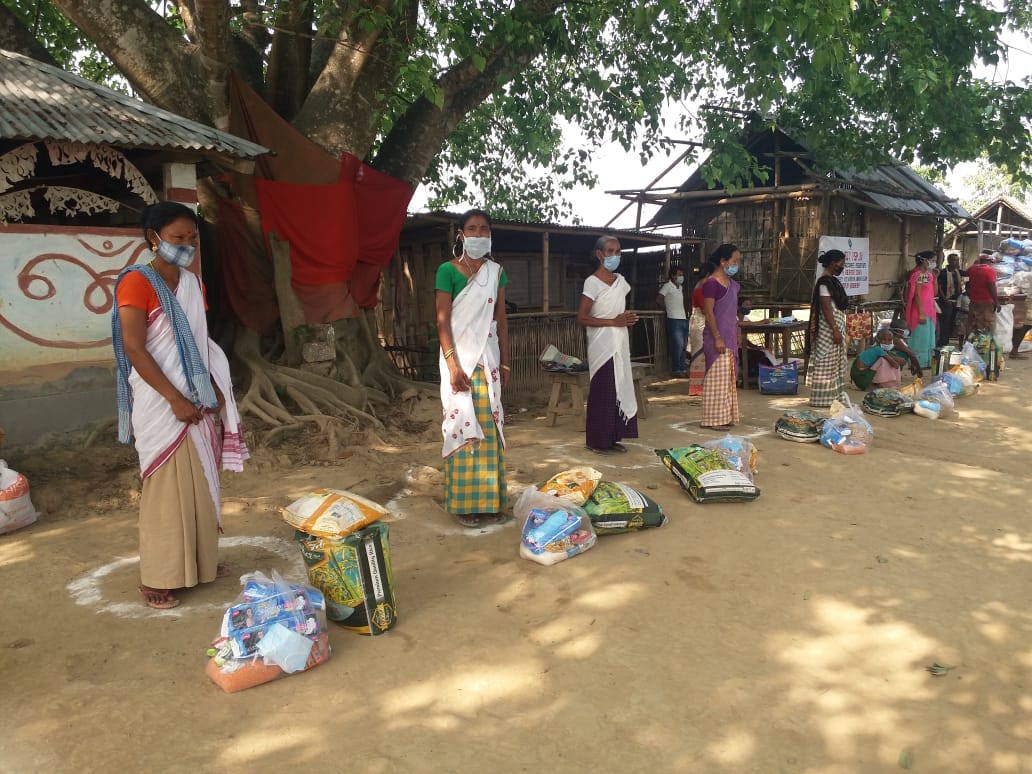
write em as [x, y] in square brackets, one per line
[449, 353]
[506, 368]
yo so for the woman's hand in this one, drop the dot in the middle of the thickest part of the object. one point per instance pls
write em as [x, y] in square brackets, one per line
[625, 319]
[718, 344]
[921, 320]
[457, 377]
[506, 375]
[184, 410]
[836, 336]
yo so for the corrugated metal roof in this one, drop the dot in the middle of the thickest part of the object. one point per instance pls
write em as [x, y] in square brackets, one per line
[892, 186]
[40, 102]
[897, 188]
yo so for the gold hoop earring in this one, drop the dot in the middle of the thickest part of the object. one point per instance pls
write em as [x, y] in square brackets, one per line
[154, 248]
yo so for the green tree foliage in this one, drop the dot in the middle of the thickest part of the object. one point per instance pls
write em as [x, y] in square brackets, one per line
[473, 95]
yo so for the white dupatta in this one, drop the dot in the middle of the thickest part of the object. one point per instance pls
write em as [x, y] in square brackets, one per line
[475, 334]
[612, 343]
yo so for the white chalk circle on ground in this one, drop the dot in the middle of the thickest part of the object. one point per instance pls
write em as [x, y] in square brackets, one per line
[87, 591]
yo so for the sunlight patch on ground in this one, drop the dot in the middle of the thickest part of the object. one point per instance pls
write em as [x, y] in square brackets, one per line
[445, 703]
[736, 747]
[613, 597]
[855, 675]
[16, 551]
[254, 746]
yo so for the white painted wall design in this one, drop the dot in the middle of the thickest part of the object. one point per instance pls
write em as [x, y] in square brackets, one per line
[56, 291]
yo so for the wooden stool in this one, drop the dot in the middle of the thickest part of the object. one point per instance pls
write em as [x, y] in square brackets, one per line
[575, 383]
[571, 382]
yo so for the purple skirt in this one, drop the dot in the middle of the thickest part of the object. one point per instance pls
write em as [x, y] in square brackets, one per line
[603, 424]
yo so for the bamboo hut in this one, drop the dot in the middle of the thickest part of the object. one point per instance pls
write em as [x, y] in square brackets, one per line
[778, 222]
[1003, 218]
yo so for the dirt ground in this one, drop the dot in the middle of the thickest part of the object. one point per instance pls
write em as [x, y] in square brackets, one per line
[791, 634]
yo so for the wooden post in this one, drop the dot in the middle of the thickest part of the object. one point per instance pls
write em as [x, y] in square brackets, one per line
[292, 316]
[545, 290]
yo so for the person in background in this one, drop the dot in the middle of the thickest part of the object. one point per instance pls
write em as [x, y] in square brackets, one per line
[720, 339]
[474, 362]
[984, 299]
[1021, 287]
[920, 307]
[612, 413]
[671, 298]
[696, 326]
[750, 355]
[880, 365]
[827, 339]
[175, 401]
[950, 287]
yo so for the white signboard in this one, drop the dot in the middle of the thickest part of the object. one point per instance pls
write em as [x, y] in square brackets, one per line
[858, 261]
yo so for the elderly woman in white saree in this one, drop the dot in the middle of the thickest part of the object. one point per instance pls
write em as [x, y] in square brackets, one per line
[612, 413]
[175, 399]
[471, 326]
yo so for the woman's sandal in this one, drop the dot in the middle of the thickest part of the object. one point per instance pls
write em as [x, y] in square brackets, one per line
[474, 520]
[619, 447]
[222, 571]
[159, 599]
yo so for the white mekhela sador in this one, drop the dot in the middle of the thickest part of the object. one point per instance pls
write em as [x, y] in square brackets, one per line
[157, 431]
[475, 334]
[611, 342]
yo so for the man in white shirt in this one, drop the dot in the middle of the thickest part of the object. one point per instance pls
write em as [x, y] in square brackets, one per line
[671, 298]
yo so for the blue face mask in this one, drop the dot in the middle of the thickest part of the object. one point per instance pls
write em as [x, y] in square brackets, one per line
[177, 255]
[731, 270]
[611, 262]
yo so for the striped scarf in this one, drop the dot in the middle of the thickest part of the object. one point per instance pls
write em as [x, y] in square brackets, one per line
[197, 377]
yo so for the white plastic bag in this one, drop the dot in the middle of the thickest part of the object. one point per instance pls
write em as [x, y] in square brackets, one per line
[938, 392]
[847, 431]
[553, 529]
[16, 509]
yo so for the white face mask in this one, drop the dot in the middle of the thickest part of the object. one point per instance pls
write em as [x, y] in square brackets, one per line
[887, 347]
[476, 247]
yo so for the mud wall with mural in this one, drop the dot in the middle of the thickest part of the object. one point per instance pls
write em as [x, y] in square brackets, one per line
[56, 295]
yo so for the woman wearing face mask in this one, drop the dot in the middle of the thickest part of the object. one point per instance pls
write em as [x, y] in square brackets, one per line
[175, 399]
[920, 308]
[612, 408]
[880, 365]
[474, 363]
[827, 340]
[720, 339]
[671, 299]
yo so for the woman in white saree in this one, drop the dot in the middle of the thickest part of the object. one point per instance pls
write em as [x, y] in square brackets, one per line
[474, 365]
[176, 401]
[612, 413]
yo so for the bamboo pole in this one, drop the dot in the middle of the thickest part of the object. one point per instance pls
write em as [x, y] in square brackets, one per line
[545, 291]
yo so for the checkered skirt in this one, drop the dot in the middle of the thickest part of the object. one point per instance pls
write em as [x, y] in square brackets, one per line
[474, 476]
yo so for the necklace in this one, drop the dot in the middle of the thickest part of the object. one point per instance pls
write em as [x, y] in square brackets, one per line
[473, 272]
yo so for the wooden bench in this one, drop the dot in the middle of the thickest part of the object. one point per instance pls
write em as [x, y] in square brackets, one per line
[574, 385]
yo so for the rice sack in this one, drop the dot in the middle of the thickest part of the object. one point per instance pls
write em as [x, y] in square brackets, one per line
[799, 426]
[574, 485]
[614, 508]
[706, 475]
[332, 513]
[354, 574]
[887, 402]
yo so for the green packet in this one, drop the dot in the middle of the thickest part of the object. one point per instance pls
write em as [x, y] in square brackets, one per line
[614, 508]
